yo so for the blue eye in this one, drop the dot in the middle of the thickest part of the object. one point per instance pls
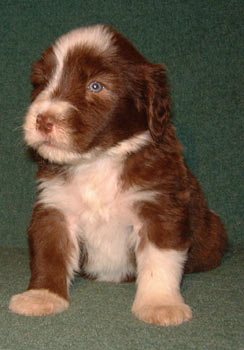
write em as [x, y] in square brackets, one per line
[95, 86]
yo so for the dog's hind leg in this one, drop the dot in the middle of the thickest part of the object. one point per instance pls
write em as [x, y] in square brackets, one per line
[209, 237]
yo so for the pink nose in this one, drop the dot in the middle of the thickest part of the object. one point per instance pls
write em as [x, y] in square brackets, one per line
[44, 123]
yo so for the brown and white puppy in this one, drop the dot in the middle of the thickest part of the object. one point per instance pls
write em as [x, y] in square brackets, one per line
[117, 201]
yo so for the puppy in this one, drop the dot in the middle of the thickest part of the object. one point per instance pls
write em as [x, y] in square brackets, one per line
[116, 201]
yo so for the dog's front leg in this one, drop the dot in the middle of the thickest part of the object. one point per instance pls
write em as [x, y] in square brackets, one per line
[158, 299]
[50, 253]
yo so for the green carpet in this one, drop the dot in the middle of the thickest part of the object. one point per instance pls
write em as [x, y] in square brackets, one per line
[201, 43]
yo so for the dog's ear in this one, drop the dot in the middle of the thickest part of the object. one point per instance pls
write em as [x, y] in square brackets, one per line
[42, 71]
[37, 78]
[158, 101]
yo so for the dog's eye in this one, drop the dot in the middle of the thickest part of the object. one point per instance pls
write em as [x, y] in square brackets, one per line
[95, 86]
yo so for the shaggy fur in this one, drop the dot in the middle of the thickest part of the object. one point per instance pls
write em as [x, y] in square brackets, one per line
[117, 201]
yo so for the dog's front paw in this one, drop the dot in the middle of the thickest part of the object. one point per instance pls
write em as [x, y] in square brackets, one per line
[37, 302]
[163, 315]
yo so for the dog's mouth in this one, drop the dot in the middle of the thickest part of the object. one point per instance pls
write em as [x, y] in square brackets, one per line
[52, 145]
[49, 144]
[55, 152]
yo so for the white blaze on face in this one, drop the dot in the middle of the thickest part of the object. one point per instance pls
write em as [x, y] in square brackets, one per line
[97, 37]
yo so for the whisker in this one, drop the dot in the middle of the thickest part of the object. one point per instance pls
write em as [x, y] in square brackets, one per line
[17, 128]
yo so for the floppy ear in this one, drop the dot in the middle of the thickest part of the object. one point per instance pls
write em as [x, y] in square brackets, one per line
[42, 71]
[37, 78]
[158, 101]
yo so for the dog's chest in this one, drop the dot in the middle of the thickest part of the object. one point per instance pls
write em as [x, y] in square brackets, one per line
[100, 214]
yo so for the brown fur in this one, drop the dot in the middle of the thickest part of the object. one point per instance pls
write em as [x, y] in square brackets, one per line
[49, 251]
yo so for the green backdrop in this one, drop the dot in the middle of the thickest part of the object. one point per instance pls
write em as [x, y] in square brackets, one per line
[201, 43]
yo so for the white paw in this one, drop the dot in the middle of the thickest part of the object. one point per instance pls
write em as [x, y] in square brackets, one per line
[37, 302]
[163, 315]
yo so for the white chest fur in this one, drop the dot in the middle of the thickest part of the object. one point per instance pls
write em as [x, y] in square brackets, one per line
[99, 214]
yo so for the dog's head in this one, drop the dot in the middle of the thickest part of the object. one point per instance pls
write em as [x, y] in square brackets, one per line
[93, 90]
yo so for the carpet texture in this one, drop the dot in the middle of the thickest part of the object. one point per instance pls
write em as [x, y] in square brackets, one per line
[201, 43]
